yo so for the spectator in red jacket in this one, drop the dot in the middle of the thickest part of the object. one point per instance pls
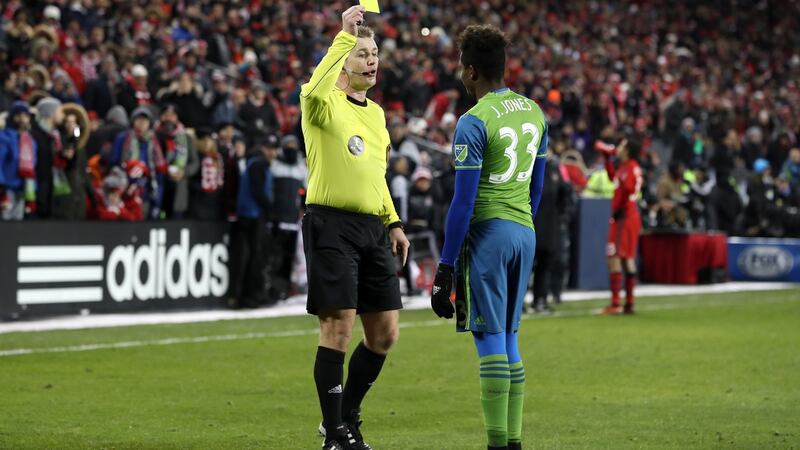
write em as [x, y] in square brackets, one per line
[119, 199]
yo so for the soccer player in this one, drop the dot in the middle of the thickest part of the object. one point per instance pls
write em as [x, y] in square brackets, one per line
[500, 150]
[625, 223]
[350, 228]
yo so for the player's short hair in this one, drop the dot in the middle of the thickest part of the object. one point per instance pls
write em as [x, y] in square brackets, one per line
[634, 148]
[365, 32]
[484, 48]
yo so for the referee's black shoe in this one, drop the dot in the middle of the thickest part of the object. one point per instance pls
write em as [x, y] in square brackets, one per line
[343, 440]
[354, 424]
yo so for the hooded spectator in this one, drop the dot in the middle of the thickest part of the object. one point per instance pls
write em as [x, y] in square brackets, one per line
[289, 178]
[17, 164]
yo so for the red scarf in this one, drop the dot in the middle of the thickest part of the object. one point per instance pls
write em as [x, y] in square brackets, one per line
[59, 161]
[27, 165]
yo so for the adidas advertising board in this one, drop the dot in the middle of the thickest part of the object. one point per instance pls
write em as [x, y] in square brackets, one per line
[64, 268]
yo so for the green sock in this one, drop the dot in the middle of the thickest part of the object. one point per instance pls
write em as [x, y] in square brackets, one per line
[495, 381]
[516, 397]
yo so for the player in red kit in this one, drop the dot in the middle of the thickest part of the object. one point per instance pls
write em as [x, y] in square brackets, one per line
[625, 223]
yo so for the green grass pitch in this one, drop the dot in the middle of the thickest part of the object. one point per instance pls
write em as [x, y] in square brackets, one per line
[703, 371]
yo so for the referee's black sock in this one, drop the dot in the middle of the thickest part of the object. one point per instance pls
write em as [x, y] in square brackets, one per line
[362, 371]
[328, 374]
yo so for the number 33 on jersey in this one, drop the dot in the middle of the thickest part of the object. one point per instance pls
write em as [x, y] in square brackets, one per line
[504, 135]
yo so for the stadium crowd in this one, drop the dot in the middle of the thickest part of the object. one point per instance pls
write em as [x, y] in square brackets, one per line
[132, 110]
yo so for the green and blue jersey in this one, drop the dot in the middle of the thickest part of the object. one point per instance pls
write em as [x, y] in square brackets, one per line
[503, 136]
[499, 150]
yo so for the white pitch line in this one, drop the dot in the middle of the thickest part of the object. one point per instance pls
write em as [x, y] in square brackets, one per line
[312, 331]
[295, 306]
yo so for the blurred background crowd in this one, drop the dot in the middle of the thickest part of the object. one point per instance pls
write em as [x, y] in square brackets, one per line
[149, 110]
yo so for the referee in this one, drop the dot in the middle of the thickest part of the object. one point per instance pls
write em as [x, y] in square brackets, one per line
[350, 230]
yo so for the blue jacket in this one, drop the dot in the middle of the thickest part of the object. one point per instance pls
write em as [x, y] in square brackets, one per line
[9, 160]
[256, 194]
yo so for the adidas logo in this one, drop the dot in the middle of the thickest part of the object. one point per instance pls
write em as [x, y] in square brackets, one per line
[436, 290]
[336, 389]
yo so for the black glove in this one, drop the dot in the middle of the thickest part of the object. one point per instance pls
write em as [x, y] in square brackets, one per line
[440, 293]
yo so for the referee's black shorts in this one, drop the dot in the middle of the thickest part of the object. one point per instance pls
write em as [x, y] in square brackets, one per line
[349, 260]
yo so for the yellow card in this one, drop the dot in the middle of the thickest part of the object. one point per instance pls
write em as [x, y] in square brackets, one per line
[371, 5]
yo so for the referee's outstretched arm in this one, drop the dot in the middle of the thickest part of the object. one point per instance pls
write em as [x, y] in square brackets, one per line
[317, 91]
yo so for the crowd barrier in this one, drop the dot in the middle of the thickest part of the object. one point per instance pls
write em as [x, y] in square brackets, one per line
[51, 267]
[683, 257]
[589, 268]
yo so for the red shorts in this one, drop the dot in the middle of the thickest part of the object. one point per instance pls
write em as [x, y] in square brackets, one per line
[623, 237]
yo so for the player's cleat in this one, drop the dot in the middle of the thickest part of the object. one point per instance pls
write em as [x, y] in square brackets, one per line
[628, 309]
[515, 446]
[611, 310]
[497, 448]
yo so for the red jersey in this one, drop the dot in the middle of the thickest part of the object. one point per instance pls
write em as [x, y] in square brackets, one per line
[627, 186]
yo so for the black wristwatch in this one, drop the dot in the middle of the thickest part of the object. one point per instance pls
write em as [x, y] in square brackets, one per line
[398, 224]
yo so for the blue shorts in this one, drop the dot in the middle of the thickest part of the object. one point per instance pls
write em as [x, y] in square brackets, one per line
[492, 276]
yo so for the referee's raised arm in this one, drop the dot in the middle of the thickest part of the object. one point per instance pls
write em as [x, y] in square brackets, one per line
[315, 93]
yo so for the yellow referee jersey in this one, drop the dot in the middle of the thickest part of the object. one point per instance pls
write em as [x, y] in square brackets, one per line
[346, 141]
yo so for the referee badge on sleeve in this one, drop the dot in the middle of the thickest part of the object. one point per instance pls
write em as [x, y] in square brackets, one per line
[356, 145]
